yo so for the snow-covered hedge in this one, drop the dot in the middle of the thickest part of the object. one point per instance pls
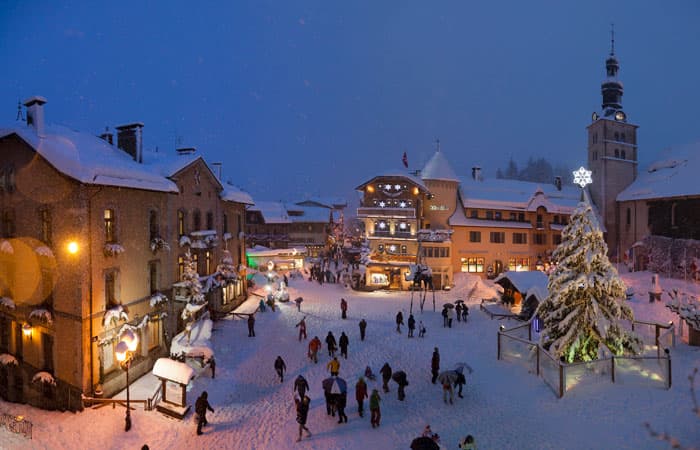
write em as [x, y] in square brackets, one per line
[159, 244]
[158, 299]
[184, 240]
[686, 306]
[44, 377]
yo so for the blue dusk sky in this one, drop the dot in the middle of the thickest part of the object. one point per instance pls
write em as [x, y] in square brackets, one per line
[300, 98]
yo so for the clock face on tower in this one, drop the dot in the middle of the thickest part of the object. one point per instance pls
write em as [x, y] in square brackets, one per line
[594, 116]
[620, 115]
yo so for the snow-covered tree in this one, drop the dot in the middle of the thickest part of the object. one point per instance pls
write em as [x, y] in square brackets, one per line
[191, 279]
[584, 305]
[226, 267]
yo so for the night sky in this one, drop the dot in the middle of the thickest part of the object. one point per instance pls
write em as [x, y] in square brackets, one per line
[301, 98]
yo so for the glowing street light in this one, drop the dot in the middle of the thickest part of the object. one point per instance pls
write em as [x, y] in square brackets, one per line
[73, 247]
[125, 354]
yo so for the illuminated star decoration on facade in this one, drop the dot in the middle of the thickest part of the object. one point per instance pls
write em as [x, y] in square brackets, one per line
[382, 204]
[582, 177]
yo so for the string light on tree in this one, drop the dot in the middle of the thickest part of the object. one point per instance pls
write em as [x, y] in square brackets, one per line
[582, 177]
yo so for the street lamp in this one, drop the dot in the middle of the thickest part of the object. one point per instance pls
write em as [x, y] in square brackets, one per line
[125, 354]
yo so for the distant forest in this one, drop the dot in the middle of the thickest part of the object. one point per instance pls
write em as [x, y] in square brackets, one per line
[536, 170]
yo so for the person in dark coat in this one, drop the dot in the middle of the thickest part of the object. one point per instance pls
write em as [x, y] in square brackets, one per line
[402, 381]
[341, 400]
[465, 313]
[200, 407]
[301, 386]
[435, 364]
[212, 364]
[302, 414]
[331, 344]
[363, 327]
[330, 400]
[444, 316]
[458, 311]
[343, 343]
[386, 376]
[374, 409]
[460, 382]
[399, 321]
[280, 367]
[360, 395]
[421, 329]
[251, 325]
[261, 305]
[286, 280]
[343, 308]
[411, 325]
[302, 328]
[369, 374]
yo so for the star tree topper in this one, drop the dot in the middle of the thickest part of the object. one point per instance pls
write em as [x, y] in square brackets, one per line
[582, 177]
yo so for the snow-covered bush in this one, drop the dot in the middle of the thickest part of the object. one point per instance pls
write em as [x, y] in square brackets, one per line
[184, 240]
[114, 314]
[159, 244]
[42, 314]
[8, 360]
[44, 377]
[226, 267]
[7, 302]
[158, 299]
[113, 249]
[584, 306]
[686, 306]
[191, 279]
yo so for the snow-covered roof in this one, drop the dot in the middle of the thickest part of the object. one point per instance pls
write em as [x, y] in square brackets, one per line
[272, 212]
[173, 370]
[260, 251]
[396, 173]
[232, 193]
[328, 202]
[89, 159]
[527, 280]
[309, 214]
[462, 221]
[673, 175]
[518, 195]
[438, 168]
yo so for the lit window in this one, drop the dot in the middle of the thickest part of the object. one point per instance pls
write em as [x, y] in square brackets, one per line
[109, 226]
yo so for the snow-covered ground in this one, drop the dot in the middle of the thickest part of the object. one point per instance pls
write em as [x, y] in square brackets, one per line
[504, 406]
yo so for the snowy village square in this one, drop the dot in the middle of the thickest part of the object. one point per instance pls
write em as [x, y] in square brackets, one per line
[304, 225]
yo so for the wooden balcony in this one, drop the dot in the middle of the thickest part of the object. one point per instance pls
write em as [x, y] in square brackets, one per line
[409, 213]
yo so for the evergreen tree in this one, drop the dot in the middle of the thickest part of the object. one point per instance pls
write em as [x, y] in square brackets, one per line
[512, 170]
[191, 278]
[584, 306]
[226, 267]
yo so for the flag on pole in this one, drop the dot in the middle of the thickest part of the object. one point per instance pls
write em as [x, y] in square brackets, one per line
[405, 160]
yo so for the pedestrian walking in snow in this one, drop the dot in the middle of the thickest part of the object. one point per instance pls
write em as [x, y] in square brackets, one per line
[386, 376]
[251, 325]
[444, 316]
[301, 386]
[261, 305]
[374, 409]
[343, 343]
[447, 389]
[467, 443]
[458, 311]
[399, 321]
[331, 344]
[280, 367]
[363, 327]
[421, 329]
[427, 432]
[343, 308]
[465, 314]
[302, 414]
[401, 379]
[200, 407]
[341, 401]
[330, 398]
[450, 316]
[302, 328]
[212, 364]
[286, 280]
[460, 382]
[333, 366]
[360, 395]
[314, 347]
[411, 325]
[435, 364]
[369, 374]
[298, 301]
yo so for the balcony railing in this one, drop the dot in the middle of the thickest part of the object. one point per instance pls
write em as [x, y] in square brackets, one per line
[386, 212]
[388, 234]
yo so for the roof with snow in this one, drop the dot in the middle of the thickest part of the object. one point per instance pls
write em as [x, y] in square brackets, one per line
[532, 280]
[328, 202]
[438, 168]
[173, 370]
[89, 159]
[311, 214]
[518, 195]
[673, 175]
[234, 194]
[396, 173]
[272, 212]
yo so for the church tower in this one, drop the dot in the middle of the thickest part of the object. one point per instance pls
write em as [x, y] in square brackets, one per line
[612, 150]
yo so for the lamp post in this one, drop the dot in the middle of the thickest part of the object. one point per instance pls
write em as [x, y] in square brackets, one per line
[124, 350]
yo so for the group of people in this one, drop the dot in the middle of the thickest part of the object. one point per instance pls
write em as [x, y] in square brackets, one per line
[460, 311]
[411, 325]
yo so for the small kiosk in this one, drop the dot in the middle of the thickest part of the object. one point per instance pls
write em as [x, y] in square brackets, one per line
[174, 377]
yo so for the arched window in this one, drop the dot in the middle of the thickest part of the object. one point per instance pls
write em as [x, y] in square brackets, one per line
[617, 153]
[623, 155]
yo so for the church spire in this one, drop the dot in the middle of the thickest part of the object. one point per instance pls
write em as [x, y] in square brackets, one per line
[611, 88]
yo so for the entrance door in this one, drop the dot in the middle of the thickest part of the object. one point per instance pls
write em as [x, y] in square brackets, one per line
[498, 267]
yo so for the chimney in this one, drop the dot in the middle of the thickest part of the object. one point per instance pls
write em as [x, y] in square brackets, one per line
[107, 136]
[219, 168]
[557, 182]
[35, 113]
[476, 173]
[186, 150]
[129, 139]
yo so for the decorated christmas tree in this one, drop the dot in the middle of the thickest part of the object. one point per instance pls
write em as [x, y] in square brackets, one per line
[191, 279]
[584, 305]
[226, 267]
